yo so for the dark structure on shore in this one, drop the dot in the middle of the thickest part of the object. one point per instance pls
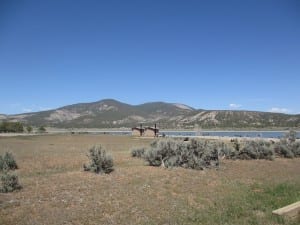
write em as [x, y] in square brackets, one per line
[138, 131]
[146, 132]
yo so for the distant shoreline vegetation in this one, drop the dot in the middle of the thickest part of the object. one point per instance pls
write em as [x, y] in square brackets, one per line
[11, 127]
[18, 127]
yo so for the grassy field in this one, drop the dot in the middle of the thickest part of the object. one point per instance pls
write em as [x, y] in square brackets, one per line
[56, 190]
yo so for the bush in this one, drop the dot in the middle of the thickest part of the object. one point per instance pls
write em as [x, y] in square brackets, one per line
[8, 162]
[236, 144]
[100, 162]
[283, 150]
[256, 150]
[229, 152]
[42, 129]
[200, 154]
[2, 164]
[29, 129]
[291, 136]
[288, 146]
[287, 150]
[296, 149]
[194, 154]
[161, 151]
[138, 152]
[9, 183]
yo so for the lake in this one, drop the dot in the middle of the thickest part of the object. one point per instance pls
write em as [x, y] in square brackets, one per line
[252, 134]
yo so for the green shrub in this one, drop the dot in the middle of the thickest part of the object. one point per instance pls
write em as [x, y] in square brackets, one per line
[100, 162]
[193, 154]
[29, 129]
[2, 164]
[291, 136]
[228, 151]
[236, 145]
[283, 150]
[153, 157]
[161, 151]
[256, 150]
[42, 129]
[296, 149]
[138, 152]
[288, 146]
[200, 154]
[9, 183]
[8, 162]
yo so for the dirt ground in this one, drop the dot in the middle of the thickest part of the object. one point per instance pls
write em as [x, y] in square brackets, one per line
[56, 190]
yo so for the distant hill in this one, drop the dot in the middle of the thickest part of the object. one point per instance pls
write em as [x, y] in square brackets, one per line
[109, 113]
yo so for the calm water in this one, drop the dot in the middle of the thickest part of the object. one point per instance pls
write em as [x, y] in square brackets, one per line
[253, 134]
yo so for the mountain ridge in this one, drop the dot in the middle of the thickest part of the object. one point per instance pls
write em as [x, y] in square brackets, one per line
[110, 113]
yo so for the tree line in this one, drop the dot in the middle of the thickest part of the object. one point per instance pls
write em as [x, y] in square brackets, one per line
[18, 127]
[11, 127]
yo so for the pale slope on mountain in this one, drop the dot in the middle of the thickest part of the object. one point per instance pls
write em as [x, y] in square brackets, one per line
[110, 113]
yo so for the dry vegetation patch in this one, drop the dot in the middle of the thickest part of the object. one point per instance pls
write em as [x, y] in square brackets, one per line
[56, 190]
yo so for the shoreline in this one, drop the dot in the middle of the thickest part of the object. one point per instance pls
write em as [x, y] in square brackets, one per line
[205, 134]
[61, 130]
[223, 138]
[220, 138]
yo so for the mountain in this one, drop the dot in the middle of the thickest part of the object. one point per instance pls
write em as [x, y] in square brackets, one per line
[109, 113]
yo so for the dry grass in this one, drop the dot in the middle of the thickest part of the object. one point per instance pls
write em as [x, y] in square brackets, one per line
[56, 190]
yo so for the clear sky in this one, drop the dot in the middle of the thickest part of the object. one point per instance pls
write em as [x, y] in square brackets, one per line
[208, 54]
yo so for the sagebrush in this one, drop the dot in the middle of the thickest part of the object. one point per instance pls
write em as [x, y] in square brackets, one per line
[8, 162]
[288, 146]
[100, 161]
[9, 182]
[138, 152]
[193, 154]
[199, 154]
[256, 150]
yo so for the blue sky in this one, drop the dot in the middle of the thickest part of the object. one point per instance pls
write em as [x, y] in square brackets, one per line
[242, 55]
